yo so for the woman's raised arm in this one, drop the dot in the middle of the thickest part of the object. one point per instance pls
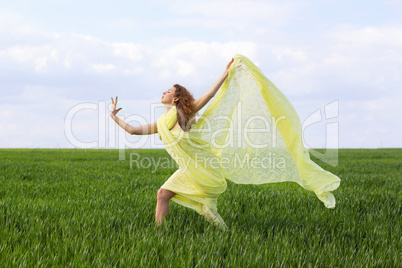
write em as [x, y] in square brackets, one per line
[204, 99]
[140, 130]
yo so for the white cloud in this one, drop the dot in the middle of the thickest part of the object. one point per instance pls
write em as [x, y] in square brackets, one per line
[101, 68]
[42, 107]
[236, 13]
[128, 50]
[297, 54]
[44, 74]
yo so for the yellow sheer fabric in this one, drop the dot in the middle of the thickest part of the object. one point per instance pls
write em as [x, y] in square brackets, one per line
[249, 134]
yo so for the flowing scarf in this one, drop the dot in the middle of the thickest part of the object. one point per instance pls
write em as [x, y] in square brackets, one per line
[251, 133]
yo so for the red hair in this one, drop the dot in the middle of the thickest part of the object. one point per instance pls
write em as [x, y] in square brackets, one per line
[184, 106]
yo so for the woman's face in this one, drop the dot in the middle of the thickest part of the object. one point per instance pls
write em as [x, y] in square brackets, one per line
[168, 96]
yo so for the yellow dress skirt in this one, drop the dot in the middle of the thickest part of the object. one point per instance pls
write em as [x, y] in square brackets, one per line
[249, 134]
[199, 180]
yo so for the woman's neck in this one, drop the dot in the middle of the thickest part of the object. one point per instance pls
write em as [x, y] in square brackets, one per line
[169, 106]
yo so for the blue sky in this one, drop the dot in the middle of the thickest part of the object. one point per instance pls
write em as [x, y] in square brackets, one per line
[56, 56]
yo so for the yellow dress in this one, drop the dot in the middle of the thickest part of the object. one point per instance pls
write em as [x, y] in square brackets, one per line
[249, 134]
[198, 182]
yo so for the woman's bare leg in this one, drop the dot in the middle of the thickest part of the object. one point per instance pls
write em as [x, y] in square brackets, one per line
[162, 205]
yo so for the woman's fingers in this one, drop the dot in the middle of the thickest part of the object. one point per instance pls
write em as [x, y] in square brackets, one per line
[113, 107]
[114, 102]
[116, 111]
[230, 63]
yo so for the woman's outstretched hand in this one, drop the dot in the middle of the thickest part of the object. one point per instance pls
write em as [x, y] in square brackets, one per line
[228, 66]
[113, 108]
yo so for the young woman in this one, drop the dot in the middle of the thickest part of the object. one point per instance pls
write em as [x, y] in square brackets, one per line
[249, 134]
[182, 101]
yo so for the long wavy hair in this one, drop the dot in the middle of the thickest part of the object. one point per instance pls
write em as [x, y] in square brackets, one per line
[184, 106]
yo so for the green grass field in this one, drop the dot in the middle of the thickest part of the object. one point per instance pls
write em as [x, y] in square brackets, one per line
[88, 208]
